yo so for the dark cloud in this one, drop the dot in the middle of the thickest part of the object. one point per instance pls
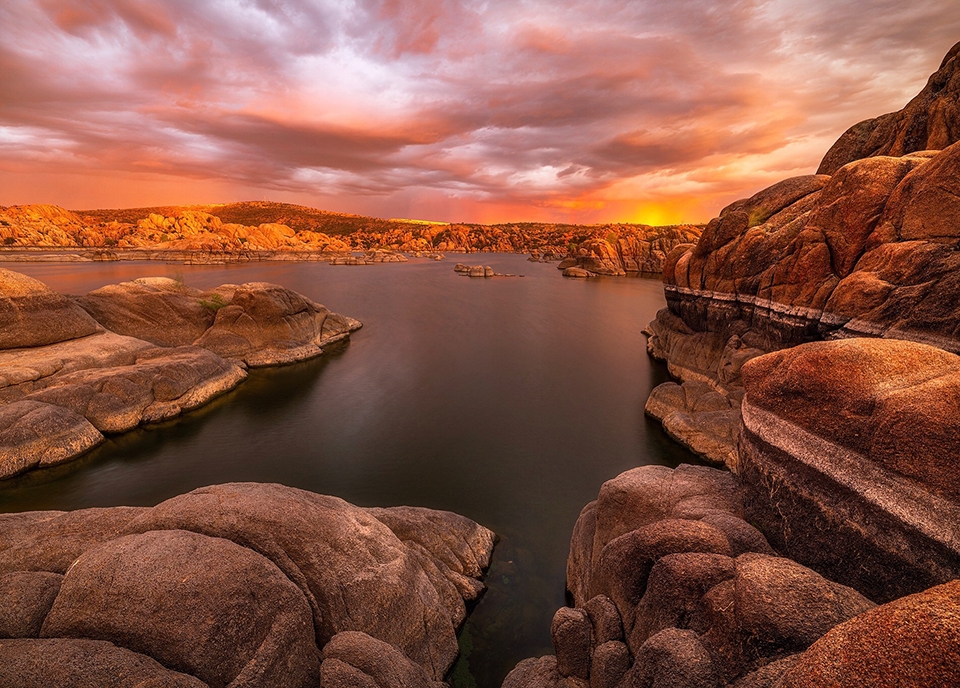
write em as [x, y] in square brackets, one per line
[445, 104]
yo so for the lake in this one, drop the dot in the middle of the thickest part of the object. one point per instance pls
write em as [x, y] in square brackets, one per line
[507, 400]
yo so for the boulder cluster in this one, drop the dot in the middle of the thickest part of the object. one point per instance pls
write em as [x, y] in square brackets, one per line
[478, 271]
[239, 585]
[75, 369]
[620, 253]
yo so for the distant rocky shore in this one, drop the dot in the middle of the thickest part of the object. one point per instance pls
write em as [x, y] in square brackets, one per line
[74, 369]
[256, 231]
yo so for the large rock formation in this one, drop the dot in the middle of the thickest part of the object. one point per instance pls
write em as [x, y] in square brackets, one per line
[142, 352]
[241, 584]
[869, 250]
[672, 587]
[860, 439]
[930, 121]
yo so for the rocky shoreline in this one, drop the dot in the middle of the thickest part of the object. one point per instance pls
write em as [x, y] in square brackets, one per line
[844, 495]
[75, 369]
[813, 328]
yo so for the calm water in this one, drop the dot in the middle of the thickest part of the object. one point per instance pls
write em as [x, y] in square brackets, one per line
[507, 400]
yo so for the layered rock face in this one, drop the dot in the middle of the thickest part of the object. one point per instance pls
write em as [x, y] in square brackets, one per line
[138, 352]
[866, 248]
[870, 251]
[242, 585]
[848, 458]
[930, 121]
[672, 587]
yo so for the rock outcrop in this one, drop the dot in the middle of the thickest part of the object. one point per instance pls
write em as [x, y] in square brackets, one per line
[867, 248]
[930, 121]
[241, 584]
[478, 271]
[672, 587]
[857, 438]
[871, 251]
[620, 252]
[139, 352]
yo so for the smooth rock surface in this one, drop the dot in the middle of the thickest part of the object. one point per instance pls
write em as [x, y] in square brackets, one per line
[242, 584]
[65, 381]
[70, 662]
[32, 314]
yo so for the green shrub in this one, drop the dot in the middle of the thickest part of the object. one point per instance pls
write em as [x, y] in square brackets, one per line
[214, 303]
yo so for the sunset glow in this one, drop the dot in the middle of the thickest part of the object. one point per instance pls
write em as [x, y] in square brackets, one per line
[445, 110]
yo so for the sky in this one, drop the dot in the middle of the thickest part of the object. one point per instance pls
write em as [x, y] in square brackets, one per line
[472, 111]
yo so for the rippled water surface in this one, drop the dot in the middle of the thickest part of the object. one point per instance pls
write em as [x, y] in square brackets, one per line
[507, 400]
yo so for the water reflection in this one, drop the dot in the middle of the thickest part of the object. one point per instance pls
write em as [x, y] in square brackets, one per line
[507, 400]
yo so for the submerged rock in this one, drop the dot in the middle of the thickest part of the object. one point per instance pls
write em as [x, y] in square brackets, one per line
[241, 584]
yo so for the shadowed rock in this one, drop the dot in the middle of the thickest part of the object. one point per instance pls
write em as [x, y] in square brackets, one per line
[672, 659]
[200, 605]
[353, 659]
[702, 598]
[353, 570]
[70, 662]
[25, 600]
[534, 673]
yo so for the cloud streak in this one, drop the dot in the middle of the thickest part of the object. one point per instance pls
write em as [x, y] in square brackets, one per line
[494, 110]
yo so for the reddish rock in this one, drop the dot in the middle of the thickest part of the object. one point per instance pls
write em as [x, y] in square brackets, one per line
[25, 600]
[160, 310]
[672, 659]
[32, 314]
[856, 438]
[912, 642]
[571, 632]
[352, 659]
